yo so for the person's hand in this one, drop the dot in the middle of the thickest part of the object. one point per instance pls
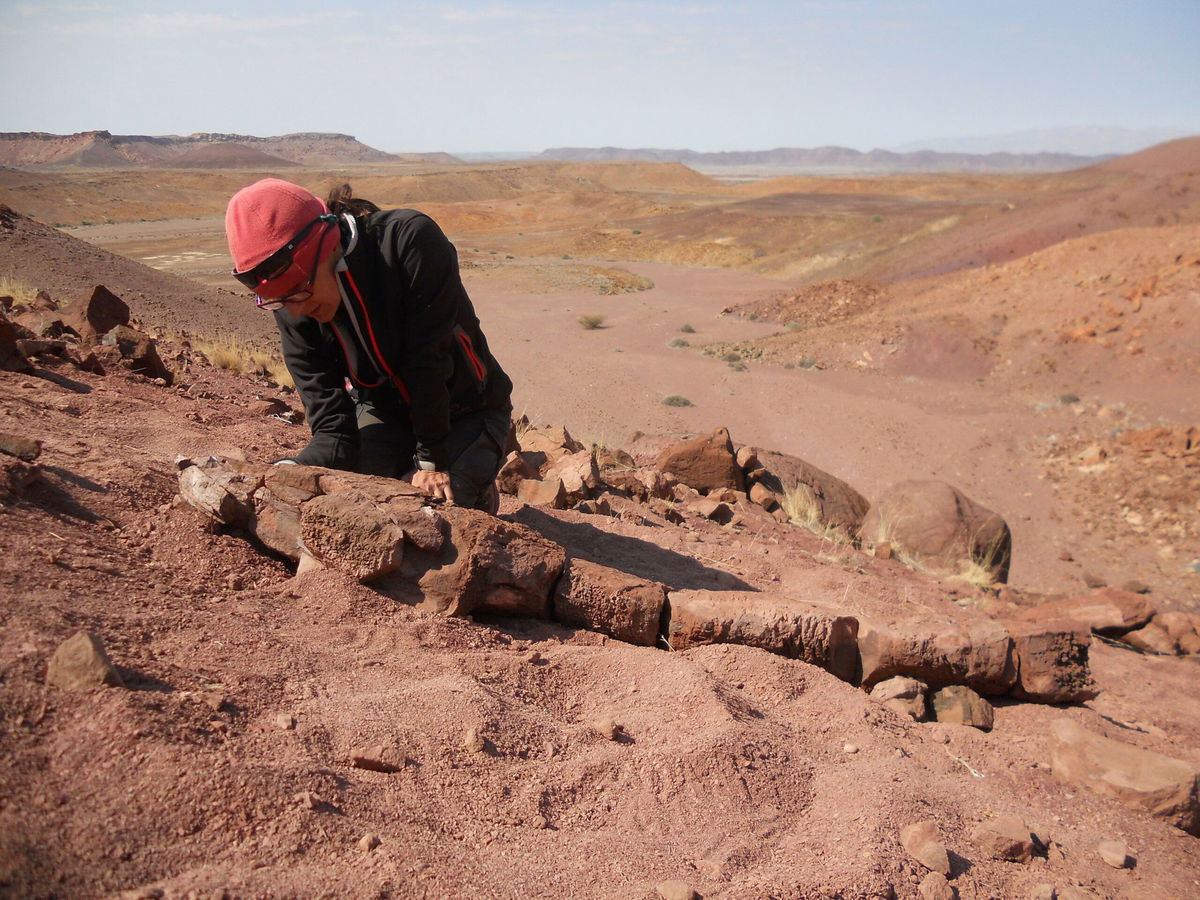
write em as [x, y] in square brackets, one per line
[433, 484]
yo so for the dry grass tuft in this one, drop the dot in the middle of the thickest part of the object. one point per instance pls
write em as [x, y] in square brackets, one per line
[235, 356]
[22, 293]
[802, 508]
[591, 322]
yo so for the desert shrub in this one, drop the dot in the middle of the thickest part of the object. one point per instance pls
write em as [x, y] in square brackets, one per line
[807, 362]
[637, 231]
[752, 316]
[795, 326]
[731, 356]
[676, 400]
[876, 219]
[566, 256]
[738, 366]
[687, 329]
[591, 322]
[678, 342]
[509, 256]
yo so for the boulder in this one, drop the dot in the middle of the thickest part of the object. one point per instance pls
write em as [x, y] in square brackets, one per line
[940, 527]
[977, 653]
[797, 629]
[829, 501]
[1052, 663]
[1006, 838]
[906, 696]
[1183, 629]
[1108, 611]
[21, 447]
[607, 600]
[552, 442]
[80, 664]
[957, 704]
[1166, 788]
[11, 358]
[704, 463]
[99, 314]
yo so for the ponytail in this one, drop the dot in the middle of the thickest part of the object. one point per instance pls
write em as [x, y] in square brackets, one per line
[342, 200]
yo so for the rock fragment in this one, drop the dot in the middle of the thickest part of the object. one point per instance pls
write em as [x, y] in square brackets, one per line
[1116, 854]
[1107, 611]
[1043, 891]
[550, 492]
[25, 448]
[704, 463]
[473, 741]
[1166, 788]
[1006, 838]
[906, 696]
[922, 842]
[379, 758]
[1052, 663]
[80, 663]
[959, 705]
[368, 842]
[934, 886]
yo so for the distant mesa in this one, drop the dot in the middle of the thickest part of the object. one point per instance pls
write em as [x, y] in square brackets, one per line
[102, 149]
[835, 160]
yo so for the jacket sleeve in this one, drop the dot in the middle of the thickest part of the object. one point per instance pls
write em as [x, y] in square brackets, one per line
[319, 372]
[433, 289]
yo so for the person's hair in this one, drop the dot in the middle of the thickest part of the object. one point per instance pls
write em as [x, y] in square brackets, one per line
[341, 199]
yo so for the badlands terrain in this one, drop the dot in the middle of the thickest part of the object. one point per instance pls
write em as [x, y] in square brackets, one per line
[1031, 340]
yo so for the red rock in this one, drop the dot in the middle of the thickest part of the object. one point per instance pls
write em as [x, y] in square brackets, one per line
[11, 359]
[139, 349]
[515, 470]
[80, 664]
[836, 504]
[1052, 663]
[221, 490]
[764, 496]
[941, 527]
[268, 406]
[957, 704]
[549, 493]
[978, 653]
[98, 315]
[811, 632]
[21, 447]
[1151, 639]
[1178, 624]
[1006, 838]
[704, 463]
[675, 890]
[607, 600]
[934, 886]
[747, 458]
[922, 842]
[380, 758]
[579, 474]
[553, 442]
[1166, 788]
[348, 532]
[1115, 853]
[1108, 611]
[711, 509]
[906, 696]
[487, 566]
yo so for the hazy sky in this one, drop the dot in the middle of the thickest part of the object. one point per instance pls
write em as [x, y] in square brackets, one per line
[479, 76]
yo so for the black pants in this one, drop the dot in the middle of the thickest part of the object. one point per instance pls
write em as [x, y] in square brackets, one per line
[476, 448]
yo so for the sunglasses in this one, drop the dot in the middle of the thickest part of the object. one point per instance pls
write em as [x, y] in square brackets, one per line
[300, 296]
[280, 261]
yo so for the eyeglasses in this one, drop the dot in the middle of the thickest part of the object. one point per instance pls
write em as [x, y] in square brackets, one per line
[280, 261]
[300, 296]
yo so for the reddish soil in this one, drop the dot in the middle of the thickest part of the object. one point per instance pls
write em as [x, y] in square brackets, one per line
[733, 776]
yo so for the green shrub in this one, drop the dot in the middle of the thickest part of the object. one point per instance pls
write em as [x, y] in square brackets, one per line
[676, 400]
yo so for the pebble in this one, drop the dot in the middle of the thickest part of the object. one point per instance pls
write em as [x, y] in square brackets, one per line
[849, 748]
[379, 758]
[606, 728]
[368, 842]
[474, 741]
[1006, 838]
[307, 799]
[285, 721]
[922, 842]
[539, 821]
[675, 890]
[939, 735]
[1042, 892]
[1115, 853]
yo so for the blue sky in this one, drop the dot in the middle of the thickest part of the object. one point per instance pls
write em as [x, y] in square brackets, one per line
[479, 76]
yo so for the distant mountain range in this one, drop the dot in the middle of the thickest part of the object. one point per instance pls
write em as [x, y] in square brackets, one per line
[834, 160]
[101, 149]
[1084, 140]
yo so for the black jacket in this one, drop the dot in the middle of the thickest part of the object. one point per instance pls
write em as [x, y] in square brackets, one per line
[406, 336]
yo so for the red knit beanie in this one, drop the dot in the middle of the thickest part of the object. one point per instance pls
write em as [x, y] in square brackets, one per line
[266, 215]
